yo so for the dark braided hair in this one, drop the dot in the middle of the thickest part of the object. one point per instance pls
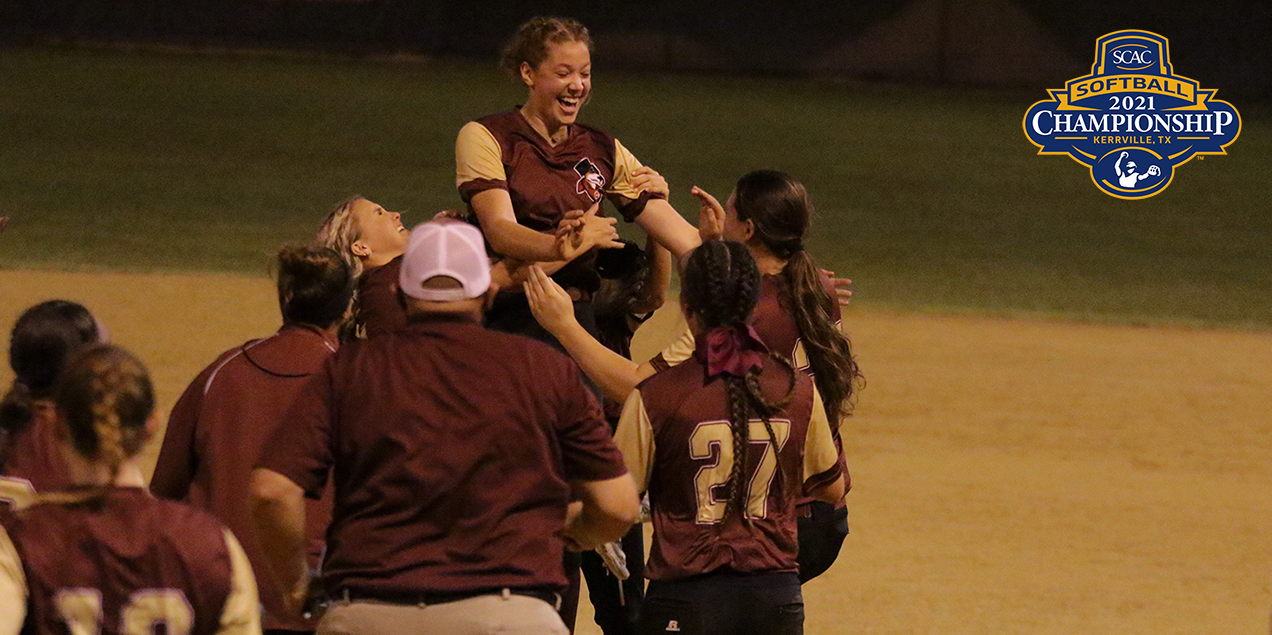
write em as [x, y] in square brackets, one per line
[781, 211]
[103, 400]
[720, 287]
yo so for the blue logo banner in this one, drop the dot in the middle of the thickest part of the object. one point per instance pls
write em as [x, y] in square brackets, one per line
[1132, 121]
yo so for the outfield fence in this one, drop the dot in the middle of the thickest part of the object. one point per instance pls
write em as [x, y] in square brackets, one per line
[1012, 43]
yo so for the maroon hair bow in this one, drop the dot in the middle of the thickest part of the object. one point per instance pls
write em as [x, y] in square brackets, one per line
[732, 350]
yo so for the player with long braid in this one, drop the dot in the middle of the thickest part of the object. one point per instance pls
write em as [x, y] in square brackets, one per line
[796, 316]
[104, 556]
[725, 443]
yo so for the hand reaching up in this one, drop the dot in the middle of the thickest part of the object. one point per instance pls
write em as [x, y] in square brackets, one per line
[710, 216]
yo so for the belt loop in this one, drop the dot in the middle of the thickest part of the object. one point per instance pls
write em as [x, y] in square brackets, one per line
[557, 605]
[506, 593]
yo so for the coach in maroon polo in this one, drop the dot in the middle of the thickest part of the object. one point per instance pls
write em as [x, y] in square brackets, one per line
[455, 452]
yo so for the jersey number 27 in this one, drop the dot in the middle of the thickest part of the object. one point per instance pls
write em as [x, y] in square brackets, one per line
[715, 438]
[81, 609]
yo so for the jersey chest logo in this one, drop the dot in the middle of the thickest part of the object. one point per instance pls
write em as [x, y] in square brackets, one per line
[591, 182]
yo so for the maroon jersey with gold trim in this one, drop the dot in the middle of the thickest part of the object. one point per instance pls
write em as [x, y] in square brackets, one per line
[217, 429]
[676, 438]
[451, 448]
[379, 310]
[123, 567]
[545, 181]
[776, 327]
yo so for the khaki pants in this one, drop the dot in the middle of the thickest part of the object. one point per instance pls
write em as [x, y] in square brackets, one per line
[481, 615]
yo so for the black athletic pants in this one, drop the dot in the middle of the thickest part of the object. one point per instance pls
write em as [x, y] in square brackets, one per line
[724, 604]
[617, 604]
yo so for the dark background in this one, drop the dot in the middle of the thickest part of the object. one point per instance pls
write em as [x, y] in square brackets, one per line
[1002, 43]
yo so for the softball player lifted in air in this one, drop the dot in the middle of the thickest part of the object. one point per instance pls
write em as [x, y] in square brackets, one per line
[524, 171]
[105, 556]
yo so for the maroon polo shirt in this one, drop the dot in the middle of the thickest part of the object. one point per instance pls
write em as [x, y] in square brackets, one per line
[451, 447]
[215, 434]
[124, 553]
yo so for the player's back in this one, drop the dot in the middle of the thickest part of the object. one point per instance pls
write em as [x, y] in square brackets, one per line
[448, 438]
[127, 564]
[689, 424]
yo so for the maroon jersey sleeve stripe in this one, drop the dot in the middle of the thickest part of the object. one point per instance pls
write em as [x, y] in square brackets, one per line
[469, 189]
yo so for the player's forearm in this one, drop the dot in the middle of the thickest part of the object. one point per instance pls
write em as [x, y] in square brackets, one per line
[669, 228]
[610, 507]
[614, 374]
[519, 242]
[830, 493]
[653, 293]
[279, 506]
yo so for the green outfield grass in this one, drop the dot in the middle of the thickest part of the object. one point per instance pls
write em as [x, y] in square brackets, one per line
[929, 199]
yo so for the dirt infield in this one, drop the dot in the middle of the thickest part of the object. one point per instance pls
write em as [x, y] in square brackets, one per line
[1009, 476]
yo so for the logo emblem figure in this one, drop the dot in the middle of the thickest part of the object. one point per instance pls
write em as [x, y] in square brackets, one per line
[591, 182]
[1132, 120]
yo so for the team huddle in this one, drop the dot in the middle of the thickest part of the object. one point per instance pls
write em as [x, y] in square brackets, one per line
[448, 433]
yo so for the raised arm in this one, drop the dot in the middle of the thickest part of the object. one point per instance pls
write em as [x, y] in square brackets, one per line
[614, 374]
[507, 236]
[653, 293]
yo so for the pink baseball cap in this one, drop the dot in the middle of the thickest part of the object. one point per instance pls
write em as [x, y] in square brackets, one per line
[449, 248]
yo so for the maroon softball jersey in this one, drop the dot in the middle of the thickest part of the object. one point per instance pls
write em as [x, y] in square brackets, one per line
[128, 565]
[215, 434]
[776, 327]
[676, 439]
[379, 310]
[545, 181]
[451, 447]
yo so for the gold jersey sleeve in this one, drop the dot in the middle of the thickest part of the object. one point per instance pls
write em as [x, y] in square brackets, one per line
[679, 350]
[241, 615]
[477, 155]
[820, 454]
[17, 492]
[624, 165]
[635, 439]
[13, 588]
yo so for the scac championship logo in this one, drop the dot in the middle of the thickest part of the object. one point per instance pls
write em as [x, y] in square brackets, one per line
[1132, 120]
